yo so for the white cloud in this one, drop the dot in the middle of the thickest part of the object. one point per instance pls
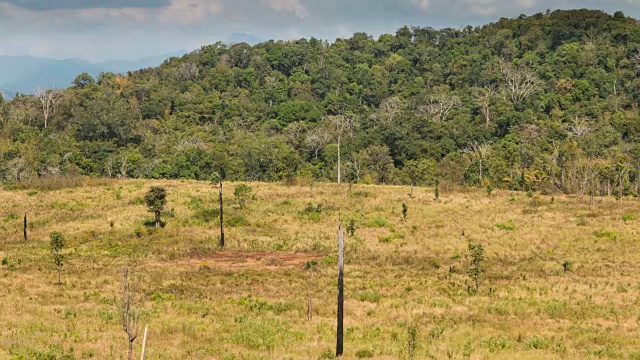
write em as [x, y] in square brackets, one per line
[289, 6]
[422, 4]
[527, 4]
[190, 11]
[186, 12]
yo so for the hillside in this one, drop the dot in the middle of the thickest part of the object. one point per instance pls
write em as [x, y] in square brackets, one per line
[250, 300]
[545, 102]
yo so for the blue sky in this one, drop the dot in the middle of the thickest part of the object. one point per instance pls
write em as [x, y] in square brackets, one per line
[99, 30]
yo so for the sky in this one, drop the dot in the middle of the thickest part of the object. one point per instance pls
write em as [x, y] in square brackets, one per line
[99, 30]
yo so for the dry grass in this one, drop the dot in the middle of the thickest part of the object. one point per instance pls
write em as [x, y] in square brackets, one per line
[249, 302]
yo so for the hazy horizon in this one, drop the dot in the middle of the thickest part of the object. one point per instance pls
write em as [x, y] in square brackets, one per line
[109, 30]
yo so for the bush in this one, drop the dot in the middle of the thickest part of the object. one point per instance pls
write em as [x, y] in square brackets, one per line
[236, 221]
[509, 226]
[538, 343]
[241, 193]
[364, 353]
[606, 234]
[371, 296]
[207, 214]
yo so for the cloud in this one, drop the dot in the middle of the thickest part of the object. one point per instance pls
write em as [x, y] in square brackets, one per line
[289, 6]
[190, 12]
[185, 12]
[422, 4]
[86, 4]
[108, 29]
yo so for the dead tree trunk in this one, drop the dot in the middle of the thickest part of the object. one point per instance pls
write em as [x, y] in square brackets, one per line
[310, 304]
[340, 327]
[129, 308]
[144, 343]
[25, 226]
[221, 218]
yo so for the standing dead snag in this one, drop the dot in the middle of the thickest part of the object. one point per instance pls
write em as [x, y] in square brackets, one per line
[25, 226]
[217, 181]
[309, 266]
[340, 328]
[129, 307]
[221, 217]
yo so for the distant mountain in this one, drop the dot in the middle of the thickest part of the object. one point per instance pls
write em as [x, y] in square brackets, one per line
[25, 74]
[238, 38]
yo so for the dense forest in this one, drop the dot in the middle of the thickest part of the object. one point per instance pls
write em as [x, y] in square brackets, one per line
[545, 102]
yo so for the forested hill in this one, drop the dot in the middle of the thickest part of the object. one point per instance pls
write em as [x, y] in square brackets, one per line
[541, 102]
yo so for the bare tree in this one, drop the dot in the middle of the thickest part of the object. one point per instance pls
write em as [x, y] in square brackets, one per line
[188, 71]
[130, 307]
[483, 97]
[579, 126]
[389, 107]
[343, 126]
[520, 81]
[440, 104]
[317, 139]
[48, 100]
[479, 152]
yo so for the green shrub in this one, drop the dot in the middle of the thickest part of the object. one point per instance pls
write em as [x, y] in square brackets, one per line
[628, 217]
[11, 217]
[360, 194]
[509, 226]
[538, 343]
[375, 222]
[235, 221]
[606, 234]
[495, 344]
[207, 214]
[371, 296]
[364, 353]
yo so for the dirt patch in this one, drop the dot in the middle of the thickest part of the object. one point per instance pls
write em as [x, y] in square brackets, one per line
[272, 261]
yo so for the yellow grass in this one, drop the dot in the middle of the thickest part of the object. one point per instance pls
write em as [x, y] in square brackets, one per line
[249, 302]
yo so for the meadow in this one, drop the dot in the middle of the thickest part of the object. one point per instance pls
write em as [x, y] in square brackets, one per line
[562, 277]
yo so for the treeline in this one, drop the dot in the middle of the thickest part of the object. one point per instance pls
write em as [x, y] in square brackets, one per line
[548, 101]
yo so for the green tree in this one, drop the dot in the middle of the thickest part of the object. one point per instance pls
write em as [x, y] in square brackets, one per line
[156, 199]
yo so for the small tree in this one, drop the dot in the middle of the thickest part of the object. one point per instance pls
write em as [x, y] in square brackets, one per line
[241, 193]
[405, 210]
[351, 228]
[129, 306]
[57, 244]
[156, 199]
[476, 263]
[437, 190]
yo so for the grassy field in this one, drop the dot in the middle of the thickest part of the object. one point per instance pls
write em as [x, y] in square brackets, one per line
[249, 302]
